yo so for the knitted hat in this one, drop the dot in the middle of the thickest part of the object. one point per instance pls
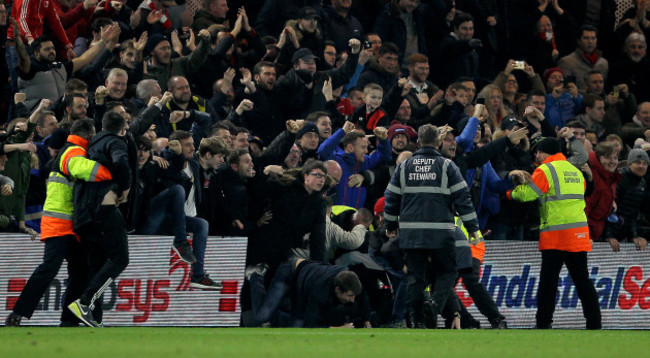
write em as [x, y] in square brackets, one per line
[308, 127]
[397, 128]
[57, 139]
[637, 154]
[548, 145]
[379, 206]
[550, 71]
[153, 41]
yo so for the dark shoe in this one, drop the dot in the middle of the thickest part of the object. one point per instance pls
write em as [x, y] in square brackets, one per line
[13, 320]
[205, 283]
[594, 326]
[83, 313]
[547, 326]
[499, 323]
[259, 269]
[430, 311]
[184, 251]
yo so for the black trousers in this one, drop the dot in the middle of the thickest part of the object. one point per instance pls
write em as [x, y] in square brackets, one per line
[108, 255]
[576, 263]
[484, 302]
[436, 266]
[56, 250]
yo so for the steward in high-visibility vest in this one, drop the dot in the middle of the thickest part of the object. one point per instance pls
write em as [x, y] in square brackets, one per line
[560, 188]
[70, 164]
[57, 227]
[563, 233]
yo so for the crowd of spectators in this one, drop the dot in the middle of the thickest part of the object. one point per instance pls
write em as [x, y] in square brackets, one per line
[229, 108]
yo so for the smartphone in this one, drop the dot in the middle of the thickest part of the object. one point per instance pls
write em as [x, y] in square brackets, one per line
[617, 91]
[569, 79]
[480, 100]
[519, 65]
[367, 44]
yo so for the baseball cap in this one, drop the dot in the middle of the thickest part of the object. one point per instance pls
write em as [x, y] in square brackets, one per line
[308, 12]
[303, 54]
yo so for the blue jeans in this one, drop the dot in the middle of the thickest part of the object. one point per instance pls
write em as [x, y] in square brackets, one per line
[507, 232]
[167, 214]
[265, 303]
[199, 227]
[167, 209]
[398, 284]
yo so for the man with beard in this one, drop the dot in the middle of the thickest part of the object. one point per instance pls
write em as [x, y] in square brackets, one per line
[423, 94]
[266, 118]
[76, 107]
[161, 67]
[192, 107]
[185, 170]
[632, 67]
[43, 77]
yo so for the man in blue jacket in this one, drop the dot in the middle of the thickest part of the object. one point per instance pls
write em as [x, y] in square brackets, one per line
[354, 160]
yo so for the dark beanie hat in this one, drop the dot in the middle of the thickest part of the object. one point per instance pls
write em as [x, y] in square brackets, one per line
[153, 41]
[57, 139]
[548, 145]
[308, 127]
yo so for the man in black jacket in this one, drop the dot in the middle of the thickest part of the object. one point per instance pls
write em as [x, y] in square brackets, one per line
[104, 228]
[212, 152]
[316, 288]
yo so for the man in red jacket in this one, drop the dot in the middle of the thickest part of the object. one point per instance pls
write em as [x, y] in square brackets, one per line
[31, 15]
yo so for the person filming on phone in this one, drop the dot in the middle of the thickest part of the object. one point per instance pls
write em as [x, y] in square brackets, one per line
[563, 101]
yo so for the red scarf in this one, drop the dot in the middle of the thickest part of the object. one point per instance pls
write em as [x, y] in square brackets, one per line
[592, 58]
[542, 35]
